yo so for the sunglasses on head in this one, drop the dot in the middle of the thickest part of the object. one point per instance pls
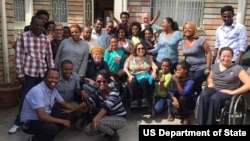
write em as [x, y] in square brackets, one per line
[101, 81]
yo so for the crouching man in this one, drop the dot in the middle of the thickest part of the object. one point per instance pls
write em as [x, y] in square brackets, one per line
[37, 117]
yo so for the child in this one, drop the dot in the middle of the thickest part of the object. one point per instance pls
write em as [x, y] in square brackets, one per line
[114, 56]
[180, 93]
[161, 86]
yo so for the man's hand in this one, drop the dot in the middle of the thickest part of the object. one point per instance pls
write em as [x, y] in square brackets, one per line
[66, 123]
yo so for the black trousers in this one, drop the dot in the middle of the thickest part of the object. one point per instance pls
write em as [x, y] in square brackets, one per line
[46, 131]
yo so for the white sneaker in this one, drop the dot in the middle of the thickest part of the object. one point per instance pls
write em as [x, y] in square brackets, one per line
[14, 129]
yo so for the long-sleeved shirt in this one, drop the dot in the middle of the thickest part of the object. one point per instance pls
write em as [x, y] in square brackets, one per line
[113, 104]
[167, 47]
[187, 85]
[77, 53]
[234, 36]
[33, 54]
[67, 88]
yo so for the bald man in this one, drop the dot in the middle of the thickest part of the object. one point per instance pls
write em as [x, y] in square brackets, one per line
[146, 21]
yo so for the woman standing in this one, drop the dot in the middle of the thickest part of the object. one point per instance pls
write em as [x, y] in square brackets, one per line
[75, 50]
[225, 80]
[141, 71]
[197, 53]
[167, 46]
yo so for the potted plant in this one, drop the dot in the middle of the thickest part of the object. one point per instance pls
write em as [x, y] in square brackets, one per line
[9, 94]
[10, 91]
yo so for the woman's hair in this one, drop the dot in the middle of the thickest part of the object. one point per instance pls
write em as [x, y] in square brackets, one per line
[226, 48]
[134, 53]
[135, 23]
[148, 29]
[185, 65]
[174, 24]
[112, 37]
[76, 26]
[122, 28]
[48, 23]
[104, 73]
[193, 27]
[166, 60]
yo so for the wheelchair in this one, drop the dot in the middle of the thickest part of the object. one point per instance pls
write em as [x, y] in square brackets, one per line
[127, 100]
[233, 111]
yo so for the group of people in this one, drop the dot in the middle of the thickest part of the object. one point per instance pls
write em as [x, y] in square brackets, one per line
[77, 72]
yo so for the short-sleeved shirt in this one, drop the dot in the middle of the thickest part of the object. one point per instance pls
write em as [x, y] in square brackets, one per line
[136, 66]
[195, 55]
[39, 96]
[227, 79]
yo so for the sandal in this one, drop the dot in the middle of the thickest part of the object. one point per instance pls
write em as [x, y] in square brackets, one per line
[170, 118]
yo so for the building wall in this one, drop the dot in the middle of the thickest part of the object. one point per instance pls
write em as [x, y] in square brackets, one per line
[75, 10]
[10, 30]
[211, 16]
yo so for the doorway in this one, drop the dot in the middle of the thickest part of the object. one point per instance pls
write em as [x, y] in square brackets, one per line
[102, 8]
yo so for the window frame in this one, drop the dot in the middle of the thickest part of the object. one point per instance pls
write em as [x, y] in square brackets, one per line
[65, 10]
[177, 2]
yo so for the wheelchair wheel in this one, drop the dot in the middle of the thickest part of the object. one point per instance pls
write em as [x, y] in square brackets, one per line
[196, 107]
[81, 123]
[237, 111]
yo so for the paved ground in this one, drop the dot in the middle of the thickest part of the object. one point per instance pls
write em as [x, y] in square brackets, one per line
[128, 133]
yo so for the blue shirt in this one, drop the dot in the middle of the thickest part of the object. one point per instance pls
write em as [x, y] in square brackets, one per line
[167, 47]
[234, 36]
[67, 88]
[39, 96]
[102, 39]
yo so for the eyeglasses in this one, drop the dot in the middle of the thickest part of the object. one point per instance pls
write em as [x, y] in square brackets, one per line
[140, 49]
[101, 81]
[58, 29]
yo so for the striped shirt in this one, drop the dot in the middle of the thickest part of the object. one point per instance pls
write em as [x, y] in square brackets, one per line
[113, 104]
[33, 54]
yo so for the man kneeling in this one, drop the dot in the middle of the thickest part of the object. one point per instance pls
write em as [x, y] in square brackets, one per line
[37, 116]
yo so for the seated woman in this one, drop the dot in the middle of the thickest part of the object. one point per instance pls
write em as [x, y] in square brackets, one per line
[181, 94]
[141, 71]
[225, 80]
[94, 65]
[112, 114]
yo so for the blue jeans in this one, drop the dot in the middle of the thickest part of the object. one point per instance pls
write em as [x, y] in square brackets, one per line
[30, 82]
[211, 101]
[160, 103]
[199, 77]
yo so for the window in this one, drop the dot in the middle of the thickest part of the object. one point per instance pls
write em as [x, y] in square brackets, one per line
[180, 10]
[59, 11]
[19, 10]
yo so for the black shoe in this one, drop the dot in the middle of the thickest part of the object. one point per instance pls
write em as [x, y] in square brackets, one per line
[114, 137]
